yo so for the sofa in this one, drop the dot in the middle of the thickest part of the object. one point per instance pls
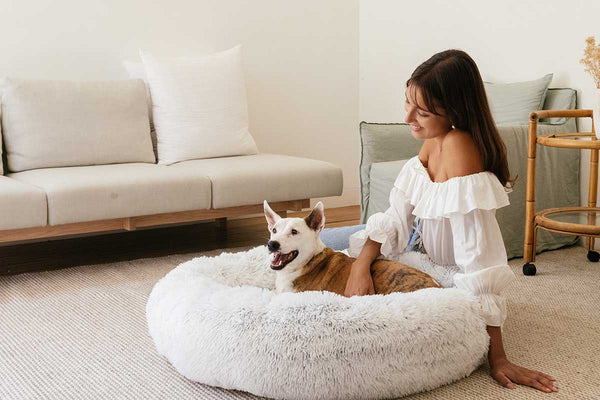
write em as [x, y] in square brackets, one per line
[386, 147]
[78, 157]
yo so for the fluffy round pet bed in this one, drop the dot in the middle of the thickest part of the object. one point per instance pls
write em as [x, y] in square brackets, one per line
[219, 322]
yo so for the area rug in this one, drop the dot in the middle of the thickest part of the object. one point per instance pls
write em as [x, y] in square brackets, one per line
[80, 333]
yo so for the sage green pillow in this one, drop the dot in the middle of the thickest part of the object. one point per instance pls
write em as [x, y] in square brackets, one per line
[382, 178]
[511, 103]
[559, 99]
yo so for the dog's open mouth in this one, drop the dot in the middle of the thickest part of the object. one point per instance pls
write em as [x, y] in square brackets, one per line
[280, 260]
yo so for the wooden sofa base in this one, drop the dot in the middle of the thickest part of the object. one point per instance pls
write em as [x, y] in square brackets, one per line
[132, 223]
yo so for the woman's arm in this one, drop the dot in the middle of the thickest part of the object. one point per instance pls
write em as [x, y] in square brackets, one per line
[360, 281]
[479, 251]
[507, 373]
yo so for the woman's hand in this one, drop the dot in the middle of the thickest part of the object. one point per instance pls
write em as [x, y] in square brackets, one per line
[360, 281]
[507, 373]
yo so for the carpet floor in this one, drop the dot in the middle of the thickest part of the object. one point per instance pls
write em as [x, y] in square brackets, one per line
[80, 333]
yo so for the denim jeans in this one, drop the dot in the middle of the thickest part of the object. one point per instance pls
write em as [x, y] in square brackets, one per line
[339, 238]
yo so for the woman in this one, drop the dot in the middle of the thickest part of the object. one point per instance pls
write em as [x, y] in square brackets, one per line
[444, 200]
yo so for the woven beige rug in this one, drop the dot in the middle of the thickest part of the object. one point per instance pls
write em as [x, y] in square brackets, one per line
[80, 333]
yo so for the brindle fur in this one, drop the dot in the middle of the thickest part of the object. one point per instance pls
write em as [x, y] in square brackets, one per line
[329, 270]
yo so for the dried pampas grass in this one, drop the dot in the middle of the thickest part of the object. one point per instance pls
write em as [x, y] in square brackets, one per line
[591, 59]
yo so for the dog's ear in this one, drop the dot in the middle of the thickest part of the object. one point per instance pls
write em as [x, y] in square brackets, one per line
[270, 215]
[316, 218]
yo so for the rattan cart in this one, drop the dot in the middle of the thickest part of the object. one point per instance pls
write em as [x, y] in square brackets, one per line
[553, 219]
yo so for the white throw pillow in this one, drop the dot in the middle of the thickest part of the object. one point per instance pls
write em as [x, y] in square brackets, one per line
[199, 106]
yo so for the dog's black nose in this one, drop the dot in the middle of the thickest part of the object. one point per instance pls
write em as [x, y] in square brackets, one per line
[273, 245]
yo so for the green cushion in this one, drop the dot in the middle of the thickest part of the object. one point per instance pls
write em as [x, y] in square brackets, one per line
[382, 178]
[511, 103]
[559, 99]
[378, 143]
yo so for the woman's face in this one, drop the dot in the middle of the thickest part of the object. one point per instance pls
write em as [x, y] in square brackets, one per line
[423, 123]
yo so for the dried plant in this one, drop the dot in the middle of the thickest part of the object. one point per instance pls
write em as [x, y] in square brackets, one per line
[591, 59]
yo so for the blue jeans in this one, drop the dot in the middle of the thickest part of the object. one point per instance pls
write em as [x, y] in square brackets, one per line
[339, 238]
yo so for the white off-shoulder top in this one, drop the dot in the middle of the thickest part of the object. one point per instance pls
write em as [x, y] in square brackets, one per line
[459, 227]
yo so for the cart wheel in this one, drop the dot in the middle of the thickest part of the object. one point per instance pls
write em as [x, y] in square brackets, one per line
[529, 269]
[593, 256]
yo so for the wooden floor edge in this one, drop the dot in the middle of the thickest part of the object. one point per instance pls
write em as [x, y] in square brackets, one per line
[132, 223]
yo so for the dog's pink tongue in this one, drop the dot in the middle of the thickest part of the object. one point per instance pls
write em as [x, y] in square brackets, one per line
[276, 258]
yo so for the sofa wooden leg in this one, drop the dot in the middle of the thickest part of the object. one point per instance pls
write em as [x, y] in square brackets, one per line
[129, 224]
[221, 223]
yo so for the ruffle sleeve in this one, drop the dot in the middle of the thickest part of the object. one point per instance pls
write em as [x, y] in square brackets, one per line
[480, 253]
[390, 228]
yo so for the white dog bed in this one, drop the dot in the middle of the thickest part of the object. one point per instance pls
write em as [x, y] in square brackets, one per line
[219, 322]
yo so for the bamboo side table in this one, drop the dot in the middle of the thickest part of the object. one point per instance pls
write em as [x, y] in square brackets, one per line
[553, 219]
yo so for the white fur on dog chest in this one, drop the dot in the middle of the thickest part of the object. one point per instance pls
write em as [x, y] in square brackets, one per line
[220, 322]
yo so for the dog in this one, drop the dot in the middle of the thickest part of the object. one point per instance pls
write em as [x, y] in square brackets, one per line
[304, 263]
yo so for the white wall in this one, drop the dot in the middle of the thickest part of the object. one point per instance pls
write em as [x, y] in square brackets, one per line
[300, 58]
[510, 40]
[302, 61]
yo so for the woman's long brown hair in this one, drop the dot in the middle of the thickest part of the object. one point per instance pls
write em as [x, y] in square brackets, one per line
[451, 80]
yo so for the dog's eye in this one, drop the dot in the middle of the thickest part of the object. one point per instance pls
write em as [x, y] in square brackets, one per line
[294, 231]
[274, 230]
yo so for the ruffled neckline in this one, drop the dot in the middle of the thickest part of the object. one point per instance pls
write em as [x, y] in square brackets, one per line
[460, 194]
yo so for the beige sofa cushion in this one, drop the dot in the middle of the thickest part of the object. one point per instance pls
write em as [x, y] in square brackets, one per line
[21, 205]
[136, 70]
[71, 123]
[244, 180]
[77, 194]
